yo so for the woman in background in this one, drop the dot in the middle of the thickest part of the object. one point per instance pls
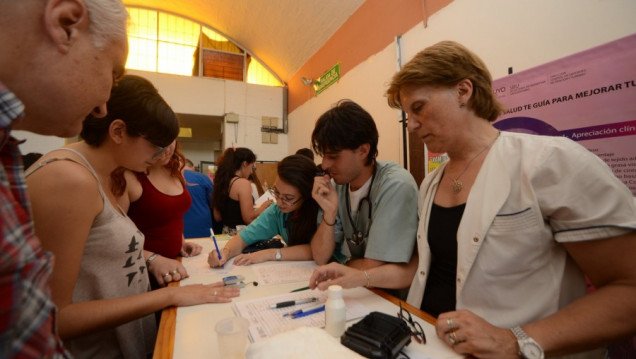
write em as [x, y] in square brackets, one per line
[156, 202]
[100, 281]
[294, 217]
[232, 199]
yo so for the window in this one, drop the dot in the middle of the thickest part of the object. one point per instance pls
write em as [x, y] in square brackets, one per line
[166, 43]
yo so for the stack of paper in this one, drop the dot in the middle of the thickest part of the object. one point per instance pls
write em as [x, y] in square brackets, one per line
[265, 322]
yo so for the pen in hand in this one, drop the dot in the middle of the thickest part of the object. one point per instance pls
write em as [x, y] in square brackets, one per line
[289, 303]
[218, 252]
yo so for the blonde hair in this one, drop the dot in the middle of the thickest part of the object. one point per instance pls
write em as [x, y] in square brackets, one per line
[445, 64]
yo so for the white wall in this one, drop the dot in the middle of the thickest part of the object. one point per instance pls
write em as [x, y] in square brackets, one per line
[207, 96]
[251, 103]
[37, 143]
[504, 33]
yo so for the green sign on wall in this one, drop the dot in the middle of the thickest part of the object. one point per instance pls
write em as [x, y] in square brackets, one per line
[327, 79]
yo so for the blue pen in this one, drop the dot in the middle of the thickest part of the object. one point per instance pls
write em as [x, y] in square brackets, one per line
[299, 311]
[218, 252]
[310, 311]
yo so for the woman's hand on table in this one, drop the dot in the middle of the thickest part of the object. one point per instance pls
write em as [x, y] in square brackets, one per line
[254, 257]
[467, 333]
[166, 270]
[336, 274]
[203, 293]
[190, 249]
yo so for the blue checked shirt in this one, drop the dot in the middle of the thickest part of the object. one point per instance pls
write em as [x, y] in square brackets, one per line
[27, 313]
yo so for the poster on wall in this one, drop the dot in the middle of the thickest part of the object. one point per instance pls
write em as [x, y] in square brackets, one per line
[589, 97]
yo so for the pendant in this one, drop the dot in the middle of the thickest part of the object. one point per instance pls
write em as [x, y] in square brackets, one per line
[457, 186]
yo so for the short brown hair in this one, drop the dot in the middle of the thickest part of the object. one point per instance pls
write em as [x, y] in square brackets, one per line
[445, 64]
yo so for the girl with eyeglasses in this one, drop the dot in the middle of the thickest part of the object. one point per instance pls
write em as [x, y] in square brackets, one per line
[294, 217]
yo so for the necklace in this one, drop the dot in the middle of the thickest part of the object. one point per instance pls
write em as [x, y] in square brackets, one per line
[458, 185]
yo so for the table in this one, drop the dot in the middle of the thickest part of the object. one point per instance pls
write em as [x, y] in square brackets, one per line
[188, 332]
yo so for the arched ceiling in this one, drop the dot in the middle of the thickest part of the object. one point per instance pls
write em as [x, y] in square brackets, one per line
[284, 34]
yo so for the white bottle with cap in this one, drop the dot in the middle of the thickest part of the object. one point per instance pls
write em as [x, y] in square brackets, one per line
[335, 311]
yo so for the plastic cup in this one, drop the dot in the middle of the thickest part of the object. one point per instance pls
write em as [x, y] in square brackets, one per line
[232, 337]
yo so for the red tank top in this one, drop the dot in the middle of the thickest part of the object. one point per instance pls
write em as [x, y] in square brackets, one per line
[160, 218]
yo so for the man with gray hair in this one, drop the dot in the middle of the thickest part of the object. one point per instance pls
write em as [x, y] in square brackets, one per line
[58, 62]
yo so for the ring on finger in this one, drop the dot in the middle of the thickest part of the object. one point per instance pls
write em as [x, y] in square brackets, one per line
[166, 275]
[452, 338]
[173, 272]
[450, 324]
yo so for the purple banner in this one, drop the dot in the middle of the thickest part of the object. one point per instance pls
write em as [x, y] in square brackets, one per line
[589, 97]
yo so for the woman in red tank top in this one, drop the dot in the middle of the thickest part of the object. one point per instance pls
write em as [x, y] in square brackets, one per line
[158, 200]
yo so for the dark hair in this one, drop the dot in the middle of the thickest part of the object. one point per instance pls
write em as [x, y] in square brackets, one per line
[445, 64]
[345, 126]
[229, 162]
[299, 171]
[307, 152]
[30, 158]
[137, 102]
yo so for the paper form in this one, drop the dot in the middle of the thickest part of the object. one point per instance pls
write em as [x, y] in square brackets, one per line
[265, 322]
[285, 272]
[199, 265]
[267, 195]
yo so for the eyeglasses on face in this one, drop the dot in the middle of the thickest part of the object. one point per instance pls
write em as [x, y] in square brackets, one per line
[160, 151]
[289, 201]
[416, 329]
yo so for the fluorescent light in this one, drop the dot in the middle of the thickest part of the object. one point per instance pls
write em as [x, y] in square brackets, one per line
[185, 132]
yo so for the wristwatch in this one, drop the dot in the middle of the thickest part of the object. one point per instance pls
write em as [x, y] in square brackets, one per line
[278, 254]
[528, 347]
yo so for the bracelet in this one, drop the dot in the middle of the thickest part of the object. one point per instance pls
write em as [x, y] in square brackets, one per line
[368, 279]
[327, 223]
[150, 259]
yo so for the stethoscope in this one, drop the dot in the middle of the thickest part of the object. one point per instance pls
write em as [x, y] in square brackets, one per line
[358, 236]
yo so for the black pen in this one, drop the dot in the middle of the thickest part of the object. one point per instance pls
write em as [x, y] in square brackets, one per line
[289, 303]
[299, 289]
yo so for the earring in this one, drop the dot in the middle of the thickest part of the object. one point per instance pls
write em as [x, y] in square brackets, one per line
[462, 105]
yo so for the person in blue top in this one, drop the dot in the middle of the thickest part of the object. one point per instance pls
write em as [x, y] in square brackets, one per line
[197, 221]
[294, 216]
